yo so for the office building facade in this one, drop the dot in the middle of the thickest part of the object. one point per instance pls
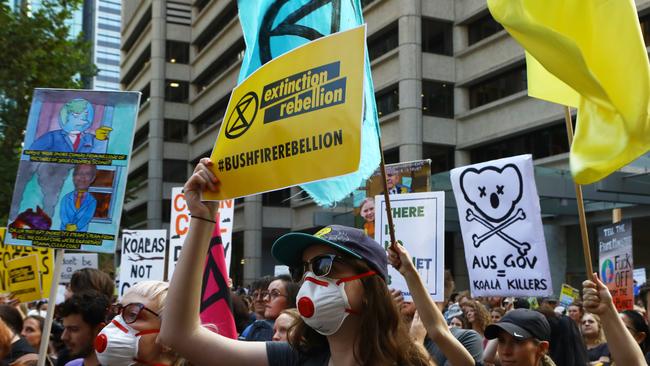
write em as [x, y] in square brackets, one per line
[450, 86]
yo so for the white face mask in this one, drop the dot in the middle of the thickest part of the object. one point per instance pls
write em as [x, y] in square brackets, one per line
[323, 303]
[117, 343]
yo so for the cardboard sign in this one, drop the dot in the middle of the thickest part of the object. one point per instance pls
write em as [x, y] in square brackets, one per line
[639, 279]
[178, 228]
[9, 252]
[500, 218]
[616, 264]
[408, 177]
[419, 220]
[73, 262]
[226, 218]
[297, 119]
[568, 295]
[24, 279]
[143, 257]
[180, 224]
[72, 175]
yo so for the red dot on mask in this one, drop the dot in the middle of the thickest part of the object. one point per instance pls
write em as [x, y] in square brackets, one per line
[100, 343]
[306, 307]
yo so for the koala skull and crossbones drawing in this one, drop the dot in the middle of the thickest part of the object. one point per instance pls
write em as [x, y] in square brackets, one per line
[494, 193]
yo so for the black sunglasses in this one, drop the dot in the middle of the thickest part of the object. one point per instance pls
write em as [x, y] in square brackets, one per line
[320, 265]
[131, 312]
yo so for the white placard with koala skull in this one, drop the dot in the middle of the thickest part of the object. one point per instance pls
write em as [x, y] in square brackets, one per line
[501, 223]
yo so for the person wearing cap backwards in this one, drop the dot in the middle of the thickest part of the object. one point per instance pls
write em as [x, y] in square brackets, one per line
[347, 314]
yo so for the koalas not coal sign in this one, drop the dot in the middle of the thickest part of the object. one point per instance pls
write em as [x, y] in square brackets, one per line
[500, 218]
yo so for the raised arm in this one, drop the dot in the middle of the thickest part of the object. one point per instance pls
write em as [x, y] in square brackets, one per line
[433, 320]
[623, 348]
[181, 328]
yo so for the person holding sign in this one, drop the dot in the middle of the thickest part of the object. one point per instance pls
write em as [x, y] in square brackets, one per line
[347, 313]
[623, 347]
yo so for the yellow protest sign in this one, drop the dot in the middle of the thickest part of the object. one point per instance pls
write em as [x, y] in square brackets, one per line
[297, 119]
[24, 279]
[9, 252]
[568, 295]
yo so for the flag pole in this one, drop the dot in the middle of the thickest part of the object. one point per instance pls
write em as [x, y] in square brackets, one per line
[579, 201]
[389, 213]
[47, 327]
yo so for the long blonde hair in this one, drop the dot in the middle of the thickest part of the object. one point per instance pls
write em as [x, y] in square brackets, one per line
[601, 333]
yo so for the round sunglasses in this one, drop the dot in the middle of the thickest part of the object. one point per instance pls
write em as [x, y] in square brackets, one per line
[131, 312]
[320, 265]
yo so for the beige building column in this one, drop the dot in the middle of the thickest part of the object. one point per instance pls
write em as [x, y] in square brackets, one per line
[410, 80]
[253, 238]
[156, 123]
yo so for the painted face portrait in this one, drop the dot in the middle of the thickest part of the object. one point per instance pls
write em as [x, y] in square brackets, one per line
[83, 176]
[76, 116]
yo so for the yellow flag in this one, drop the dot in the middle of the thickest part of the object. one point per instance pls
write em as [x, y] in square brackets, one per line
[588, 54]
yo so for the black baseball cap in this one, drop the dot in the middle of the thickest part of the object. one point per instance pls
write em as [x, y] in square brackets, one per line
[354, 242]
[522, 324]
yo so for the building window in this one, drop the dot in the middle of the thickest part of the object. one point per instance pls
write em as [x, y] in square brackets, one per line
[383, 40]
[138, 176]
[442, 157]
[200, 4]
[391, 156]
[212, 115]
[541, 143]
[137, 67]
[141, 136]
[177, 91]
[499, 86]
[216, 26]
[233, 55]
[137, 31]
[644, 21]
[175, 130]
[146, 94]
[174, 171]
[177, 52]
[278, 198]
[387, 100]
[166, 210]
[437, 36]
[134, 216]
[482, 28]
[437, 99]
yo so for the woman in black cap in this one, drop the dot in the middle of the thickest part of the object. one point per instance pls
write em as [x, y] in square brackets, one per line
[522, 336]
[347, 314]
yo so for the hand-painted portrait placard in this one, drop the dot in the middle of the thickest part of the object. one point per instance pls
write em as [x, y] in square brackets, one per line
[500, 219]
[72, 174]
[408, 177]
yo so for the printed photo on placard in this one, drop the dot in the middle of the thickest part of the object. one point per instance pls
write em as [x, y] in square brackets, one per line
[501, 224]
[72, 175]
[409, 177]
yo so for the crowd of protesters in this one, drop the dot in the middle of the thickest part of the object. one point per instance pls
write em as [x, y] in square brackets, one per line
[335, 308]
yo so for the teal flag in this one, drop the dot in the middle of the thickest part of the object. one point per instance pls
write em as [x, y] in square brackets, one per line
[274, 27]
